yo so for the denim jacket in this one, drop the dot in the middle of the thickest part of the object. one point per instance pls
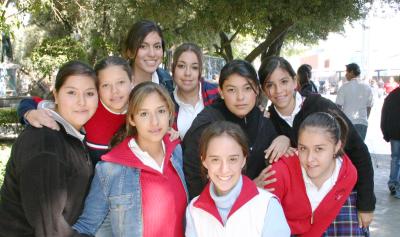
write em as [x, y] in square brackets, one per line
[115, 198]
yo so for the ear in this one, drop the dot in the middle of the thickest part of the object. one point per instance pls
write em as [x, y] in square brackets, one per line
[131, 121]
[244, 162]
[338, 146]
[204, 162]
[55, 97]
[220, 92]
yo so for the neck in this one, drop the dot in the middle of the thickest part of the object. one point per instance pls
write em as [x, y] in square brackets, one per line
[319, 181]
[154, 149]
[191, 97]
[139, 76]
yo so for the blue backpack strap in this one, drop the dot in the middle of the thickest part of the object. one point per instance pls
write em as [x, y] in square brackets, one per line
[165, 79]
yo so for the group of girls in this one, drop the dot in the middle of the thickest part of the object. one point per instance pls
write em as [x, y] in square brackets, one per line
[144, 181]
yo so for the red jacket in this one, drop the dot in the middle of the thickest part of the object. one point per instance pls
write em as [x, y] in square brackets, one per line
[291, 191]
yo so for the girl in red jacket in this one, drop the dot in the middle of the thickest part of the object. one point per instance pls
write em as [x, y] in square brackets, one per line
[315, 186]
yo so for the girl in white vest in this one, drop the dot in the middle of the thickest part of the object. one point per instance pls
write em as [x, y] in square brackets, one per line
[231, 204]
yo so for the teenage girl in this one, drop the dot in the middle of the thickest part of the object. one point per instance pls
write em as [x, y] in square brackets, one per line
[192, 93]
[139, 187]
[231, 204]
[289, 109]
[49, 171]
[315, 187]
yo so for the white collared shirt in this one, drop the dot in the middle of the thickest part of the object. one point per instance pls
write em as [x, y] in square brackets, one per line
[144, 157]
[154, 78]
[316, 195]
[297, 107]
[187, 112]
[109, 110]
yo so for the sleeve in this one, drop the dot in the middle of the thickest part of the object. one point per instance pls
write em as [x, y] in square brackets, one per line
[190, 230]
[23, 107]
[44, 194]
[384, 120]
[275, 224]
[96, 208]
[191, 162]
[358, 153]
[279, 186]
[340, 97]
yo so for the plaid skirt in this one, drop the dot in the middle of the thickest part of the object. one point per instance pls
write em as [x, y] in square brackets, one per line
[346, 222]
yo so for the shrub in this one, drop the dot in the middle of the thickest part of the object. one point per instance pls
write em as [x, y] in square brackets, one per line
[9, 123]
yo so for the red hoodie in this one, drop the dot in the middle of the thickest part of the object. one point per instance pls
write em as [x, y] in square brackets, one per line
[163, 194]
[291, 191]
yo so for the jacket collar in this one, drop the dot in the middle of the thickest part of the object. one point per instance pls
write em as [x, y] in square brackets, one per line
[123, 155]
[69, 129]
[206, 203]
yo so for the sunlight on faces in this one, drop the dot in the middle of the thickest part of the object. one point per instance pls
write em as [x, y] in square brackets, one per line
[114, 88]
[149, 54]
[280, 89]
[317, 154]
[151, 119]
[238, 94]
[187, 72]
[77, 100]
[224, 162]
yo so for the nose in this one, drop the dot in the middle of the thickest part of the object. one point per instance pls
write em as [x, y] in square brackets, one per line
[154, 119]
[81, 100]
[310, 156]
[151, 51]
[114, 89]
[224, 167]
[187, 71]
[240, 95]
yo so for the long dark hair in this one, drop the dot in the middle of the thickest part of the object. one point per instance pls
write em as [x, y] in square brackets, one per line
[73, 68]
[244, 69]
[188, 47]
[268, 66]
[136, 35]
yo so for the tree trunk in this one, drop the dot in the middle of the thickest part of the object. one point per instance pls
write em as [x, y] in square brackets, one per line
[275, 38]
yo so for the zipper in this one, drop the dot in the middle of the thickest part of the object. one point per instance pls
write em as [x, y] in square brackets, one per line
[312, 218]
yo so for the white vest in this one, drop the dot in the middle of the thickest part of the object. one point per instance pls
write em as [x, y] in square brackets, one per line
[248, 220]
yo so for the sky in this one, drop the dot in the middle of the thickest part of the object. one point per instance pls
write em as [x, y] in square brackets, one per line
[375, 47]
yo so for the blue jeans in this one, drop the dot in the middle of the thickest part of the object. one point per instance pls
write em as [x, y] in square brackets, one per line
[362, 130]
[394, 178]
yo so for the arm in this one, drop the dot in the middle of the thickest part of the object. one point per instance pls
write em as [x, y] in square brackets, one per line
[190, 230]
[96, 207]
[44, 194]
[24, 106]
[29, 114]
[275, 224]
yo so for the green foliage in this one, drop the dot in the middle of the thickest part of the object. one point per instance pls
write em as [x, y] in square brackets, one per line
[9, 121]
[53, 52]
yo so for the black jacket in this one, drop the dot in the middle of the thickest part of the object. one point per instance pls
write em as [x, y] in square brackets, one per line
[259, 130]
[390, 117]
[355, 147]
[46, 181]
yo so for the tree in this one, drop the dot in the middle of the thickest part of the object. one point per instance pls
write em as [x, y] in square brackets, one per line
[101, 25]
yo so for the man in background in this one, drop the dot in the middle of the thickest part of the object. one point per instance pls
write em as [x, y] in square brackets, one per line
[355, 99]
[390, 126]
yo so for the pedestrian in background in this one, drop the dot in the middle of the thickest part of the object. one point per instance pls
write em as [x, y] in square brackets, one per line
[355, 98]
[306, 85]
[390, 126]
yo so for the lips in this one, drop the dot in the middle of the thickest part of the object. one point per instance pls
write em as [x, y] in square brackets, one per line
[151, 63]
[224, 178]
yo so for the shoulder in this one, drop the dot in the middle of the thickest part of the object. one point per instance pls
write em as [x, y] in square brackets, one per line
[208, 85]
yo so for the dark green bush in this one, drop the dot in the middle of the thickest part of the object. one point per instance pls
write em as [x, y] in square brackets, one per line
[9, 124]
